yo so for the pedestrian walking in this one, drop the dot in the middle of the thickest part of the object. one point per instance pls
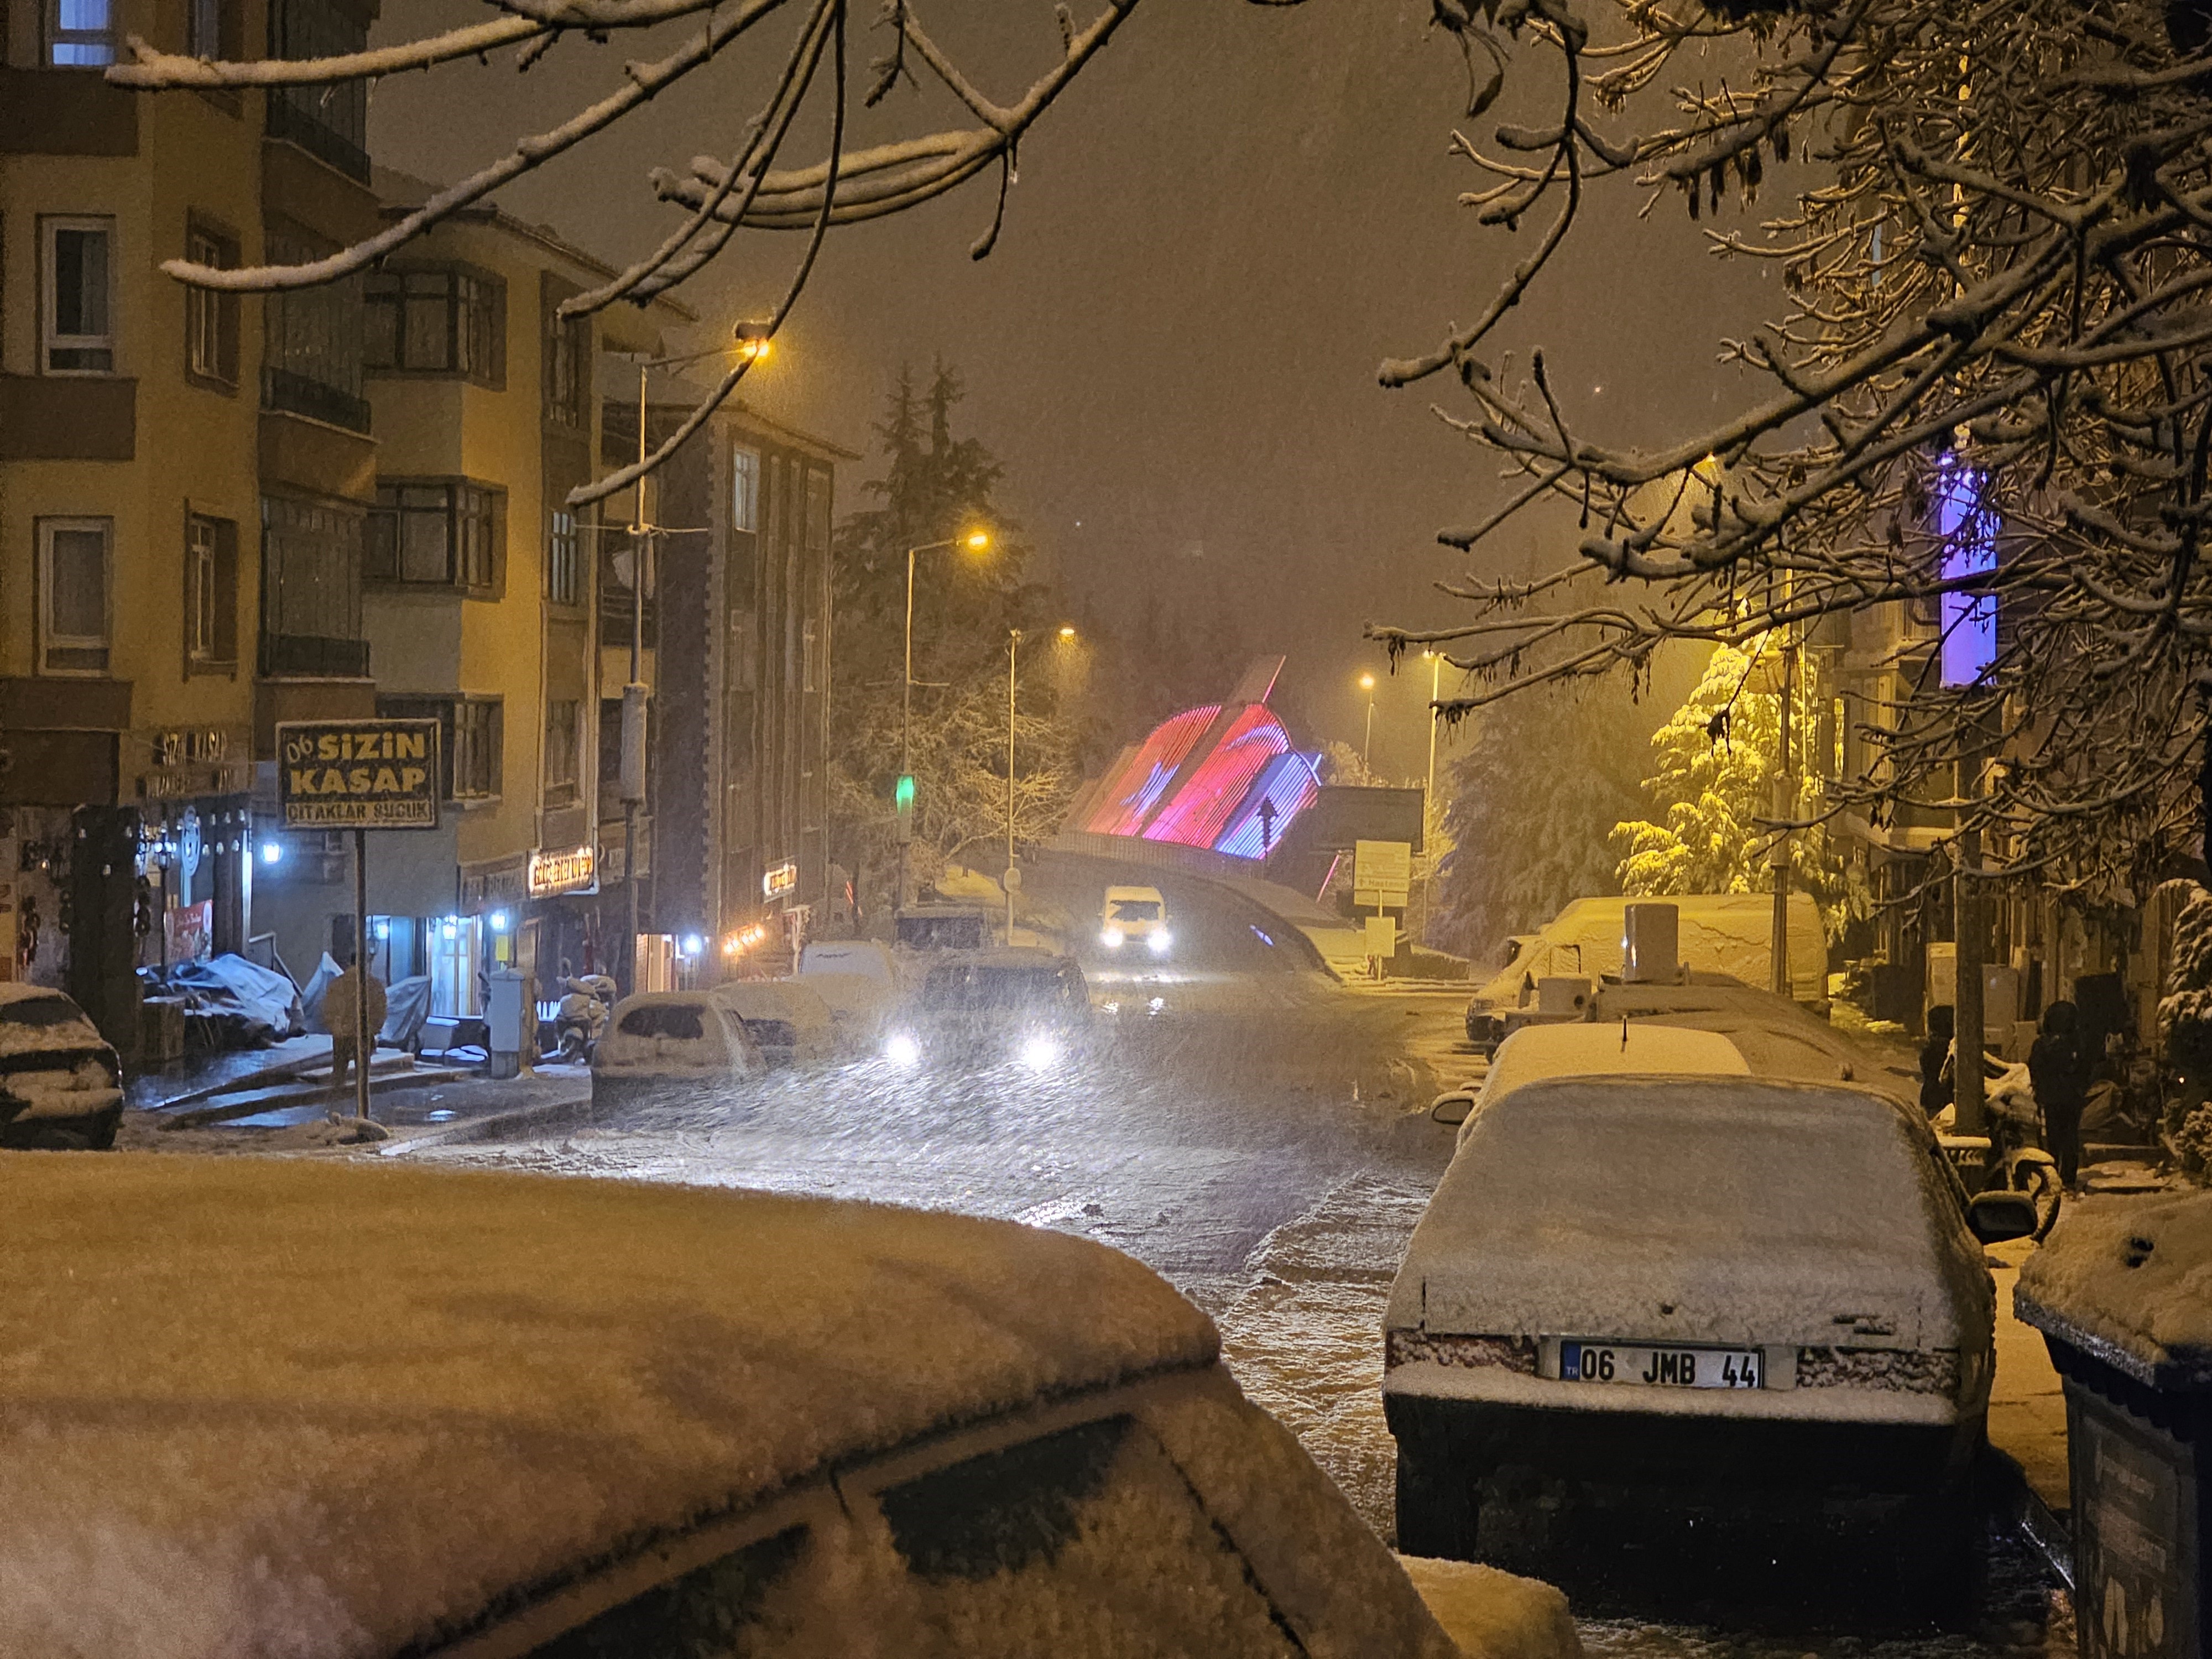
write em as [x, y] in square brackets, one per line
[2059, 1072]
[1936, 1082]
[341, 1012]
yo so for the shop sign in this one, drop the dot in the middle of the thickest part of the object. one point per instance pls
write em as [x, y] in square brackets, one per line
[494, 885]
[188, 928]
[358, 775]
[574, 870]
[780, 879]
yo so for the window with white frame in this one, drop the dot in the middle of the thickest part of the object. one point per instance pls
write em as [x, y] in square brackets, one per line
[210, 593]
[74, 559]
[745, 489]
[210, 316]
[80, 34]
[204, 32]
[78, 301]
[444, 534]
[564, 559]
[472, 730]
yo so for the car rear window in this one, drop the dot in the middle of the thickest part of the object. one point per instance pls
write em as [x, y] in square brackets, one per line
[711, 1610]
[1681, 1164]
[40, 1011]
[682, 1020]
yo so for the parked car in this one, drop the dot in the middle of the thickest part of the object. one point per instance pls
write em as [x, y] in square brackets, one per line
[859, 979]
[659, 1038]
[1536, 1052]
[570, 1418]
[1135, 915]
[1776, 1035]
[990, 1007]
[61, 1084]
[787, 1020]
[1724, 1297]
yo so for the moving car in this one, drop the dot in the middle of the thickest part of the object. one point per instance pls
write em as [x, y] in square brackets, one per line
[1716, 1296]
[858, 978]
[992, 1006]
[61, 1084]
[1135, 915]
[659, 1038]
[567, 1418]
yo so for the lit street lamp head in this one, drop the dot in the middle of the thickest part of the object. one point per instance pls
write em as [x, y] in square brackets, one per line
[1066, 634]
[1367, 682]
[977, 540]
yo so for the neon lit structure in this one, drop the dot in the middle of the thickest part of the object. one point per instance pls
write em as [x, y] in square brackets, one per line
[1200, 777]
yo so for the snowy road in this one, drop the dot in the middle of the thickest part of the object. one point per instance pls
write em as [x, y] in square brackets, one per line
[1244, 1140]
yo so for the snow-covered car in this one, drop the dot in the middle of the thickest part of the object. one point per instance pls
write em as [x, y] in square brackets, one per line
[859, 979]
[61, 1085]
[991, 1007]
[1721, 1297]
[1135, 917]
[661, 1038]
[567, 1416]
[1536, 1052]
[787, 1020]
[1776, 1035]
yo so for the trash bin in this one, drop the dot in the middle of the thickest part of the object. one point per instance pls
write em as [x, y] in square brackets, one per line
[2122, 1291]
[503, 1019]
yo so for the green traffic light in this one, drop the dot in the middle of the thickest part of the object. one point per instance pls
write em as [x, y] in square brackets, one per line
[903, 797]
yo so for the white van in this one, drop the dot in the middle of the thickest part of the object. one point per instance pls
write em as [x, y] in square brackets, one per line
[1135, 915]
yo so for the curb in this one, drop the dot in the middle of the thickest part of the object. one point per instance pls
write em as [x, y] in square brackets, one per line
[2016, 1503]
[539, 1114]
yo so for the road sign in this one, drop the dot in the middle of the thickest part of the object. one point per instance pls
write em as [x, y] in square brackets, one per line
[358, 775]
[1382, 873]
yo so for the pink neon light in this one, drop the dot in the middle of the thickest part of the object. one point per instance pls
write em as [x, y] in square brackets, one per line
[1128, 799]
[1202, 806]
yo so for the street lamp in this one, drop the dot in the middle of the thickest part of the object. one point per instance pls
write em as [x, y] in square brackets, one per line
[1367, 745]
[975, 541]
[1435, 681]
[1013, 645]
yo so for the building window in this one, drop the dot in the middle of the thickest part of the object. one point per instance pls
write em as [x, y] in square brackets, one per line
[563, 743]
[204, 29]
[564, 560]
[210, 594]
[471, 729]
[817, 529]
[436, 535]
[311, 591]
[567, 369]
[79, 299]
[330, 122]
[210, 315]
[807, 658]
[436, 322]
[80, 34]
[745, 489]
[311, 345]
[74, 559]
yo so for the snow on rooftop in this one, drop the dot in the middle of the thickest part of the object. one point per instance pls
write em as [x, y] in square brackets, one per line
[255, 1406]
[2130, 1280]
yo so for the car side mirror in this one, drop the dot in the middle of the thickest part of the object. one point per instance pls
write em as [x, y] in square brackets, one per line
[1997, 1218]
[1453, 1107]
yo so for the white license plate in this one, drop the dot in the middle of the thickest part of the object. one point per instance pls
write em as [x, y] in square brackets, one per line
[1662, 1368]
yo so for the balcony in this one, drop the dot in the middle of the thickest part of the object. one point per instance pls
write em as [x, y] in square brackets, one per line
[305, 656]
[297, 394]
[334, 148]
[278, 701]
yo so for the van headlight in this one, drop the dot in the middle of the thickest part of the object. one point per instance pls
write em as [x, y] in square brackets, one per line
[1111, 938]
[1039, 1053]
[902, 1049]
[1160, 941]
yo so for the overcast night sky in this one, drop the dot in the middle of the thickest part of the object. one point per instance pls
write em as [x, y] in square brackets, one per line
[1231, 216]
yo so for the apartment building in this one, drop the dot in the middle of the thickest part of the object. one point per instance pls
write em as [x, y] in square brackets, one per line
[478, 585]
[738, 618]
[186, 479]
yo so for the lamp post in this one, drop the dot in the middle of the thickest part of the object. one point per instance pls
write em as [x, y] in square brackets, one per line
[1013, 645]
[975, 541]
[752, 341]
[1367, 744]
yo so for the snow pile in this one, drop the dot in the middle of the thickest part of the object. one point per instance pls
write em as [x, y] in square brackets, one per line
[1493, 1615]
[2130, 1280]
[254, 1407]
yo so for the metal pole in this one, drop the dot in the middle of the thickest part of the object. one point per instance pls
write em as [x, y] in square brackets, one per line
[1367, 744]
[1013, 642]
[1785, 806]
[1435, 681]
[906, 722]
[640, 537]
[1968, 1016]
[364, 1040]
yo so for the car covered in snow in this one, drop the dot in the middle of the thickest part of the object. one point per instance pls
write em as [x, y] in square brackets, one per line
[787, 1019]
[660, 1038]
[1723, 1296]
[1537, 1052]
[568, 1417]
[61, 1085]
[993, 1007]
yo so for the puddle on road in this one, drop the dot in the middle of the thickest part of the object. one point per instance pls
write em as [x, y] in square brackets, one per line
[1303, 1338]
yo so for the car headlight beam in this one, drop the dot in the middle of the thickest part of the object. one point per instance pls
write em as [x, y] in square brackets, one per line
[1111, 938]
[1160, 941]
[1039, 1053]
[903, 1049]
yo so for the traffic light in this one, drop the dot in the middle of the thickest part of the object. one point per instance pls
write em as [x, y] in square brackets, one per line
[903, 799]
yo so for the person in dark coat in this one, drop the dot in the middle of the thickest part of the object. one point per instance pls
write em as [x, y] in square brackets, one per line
[1935, 1082]
[2060, 1073]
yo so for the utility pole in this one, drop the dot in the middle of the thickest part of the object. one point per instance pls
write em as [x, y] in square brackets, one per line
[636, 694]
[1785, 807]
[1014, 876]
[1968, 1015]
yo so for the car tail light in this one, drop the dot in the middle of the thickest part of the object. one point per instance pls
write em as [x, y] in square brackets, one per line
[1895, 1371]
[1512, 1353]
